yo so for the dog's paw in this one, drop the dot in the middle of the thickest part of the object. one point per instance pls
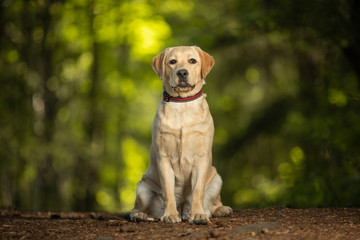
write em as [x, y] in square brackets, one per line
[185, 218]
[170, 219]
[138, 217]
[223, 211]
[199, 219]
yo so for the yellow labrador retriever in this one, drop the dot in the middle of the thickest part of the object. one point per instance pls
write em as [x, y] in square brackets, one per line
[180, 182]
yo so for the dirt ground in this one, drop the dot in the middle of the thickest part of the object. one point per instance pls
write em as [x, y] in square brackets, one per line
[266, 223]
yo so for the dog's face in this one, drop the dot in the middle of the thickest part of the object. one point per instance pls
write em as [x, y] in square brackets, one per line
[182, 68]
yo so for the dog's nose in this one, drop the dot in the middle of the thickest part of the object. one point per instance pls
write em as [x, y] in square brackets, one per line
[182, 73]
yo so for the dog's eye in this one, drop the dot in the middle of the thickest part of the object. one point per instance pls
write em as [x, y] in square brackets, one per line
[192, 61]
[173, 61]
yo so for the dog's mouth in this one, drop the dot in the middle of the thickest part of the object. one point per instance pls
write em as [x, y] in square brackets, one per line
[183, 85]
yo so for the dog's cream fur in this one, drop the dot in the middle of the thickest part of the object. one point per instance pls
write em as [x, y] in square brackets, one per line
[180, 182]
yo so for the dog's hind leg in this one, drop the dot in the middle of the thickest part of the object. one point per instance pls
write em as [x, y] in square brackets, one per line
[148, 203]
[213, 206]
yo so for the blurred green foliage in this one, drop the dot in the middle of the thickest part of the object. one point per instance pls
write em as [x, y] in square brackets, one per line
[78, 97]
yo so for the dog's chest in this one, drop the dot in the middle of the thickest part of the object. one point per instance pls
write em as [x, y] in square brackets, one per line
[182, 120]
[178, 116]
[182, 131]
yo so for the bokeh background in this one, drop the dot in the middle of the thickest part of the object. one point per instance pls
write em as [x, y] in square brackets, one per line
[78, 96]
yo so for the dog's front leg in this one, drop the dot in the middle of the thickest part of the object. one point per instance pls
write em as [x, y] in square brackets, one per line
[198, 182]
[167, 180]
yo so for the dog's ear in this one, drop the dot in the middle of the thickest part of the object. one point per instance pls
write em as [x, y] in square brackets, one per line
[159, 65]
[207, 62]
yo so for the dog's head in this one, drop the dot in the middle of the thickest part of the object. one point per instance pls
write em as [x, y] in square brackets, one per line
[182, 69]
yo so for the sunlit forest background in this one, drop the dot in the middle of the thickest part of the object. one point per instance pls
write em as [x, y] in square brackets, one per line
[78, 96]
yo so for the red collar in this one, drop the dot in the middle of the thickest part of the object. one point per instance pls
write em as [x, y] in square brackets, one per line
[168, 98]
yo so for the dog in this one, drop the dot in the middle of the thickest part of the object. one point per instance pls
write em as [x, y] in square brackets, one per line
[180, 183]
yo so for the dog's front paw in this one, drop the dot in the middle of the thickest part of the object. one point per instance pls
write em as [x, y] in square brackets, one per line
[138, 216]
[223, 211]
[199, 219]
[170, 219]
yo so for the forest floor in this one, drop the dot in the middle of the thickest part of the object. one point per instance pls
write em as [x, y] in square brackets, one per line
[266, 223]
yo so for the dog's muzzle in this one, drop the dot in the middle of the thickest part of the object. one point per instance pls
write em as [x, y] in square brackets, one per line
[183, 81]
